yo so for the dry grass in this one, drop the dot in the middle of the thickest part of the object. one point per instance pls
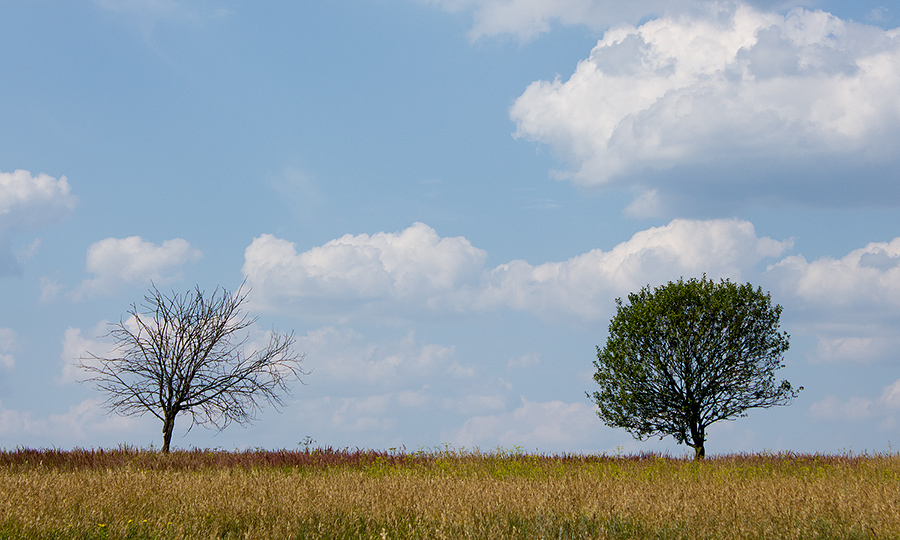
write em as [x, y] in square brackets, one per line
[129, 493]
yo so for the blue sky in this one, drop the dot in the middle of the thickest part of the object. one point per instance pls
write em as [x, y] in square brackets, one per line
[443, 198]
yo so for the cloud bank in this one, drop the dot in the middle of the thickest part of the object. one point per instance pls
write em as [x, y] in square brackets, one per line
[850, 305]
[692, 96]
[415, 271]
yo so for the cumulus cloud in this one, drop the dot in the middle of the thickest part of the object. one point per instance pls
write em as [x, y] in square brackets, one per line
[119, 261]
[412, 264]
[417, 271]
[718, 99]
[585, 285]
[851, 304]
[865, 278]
[29, 202]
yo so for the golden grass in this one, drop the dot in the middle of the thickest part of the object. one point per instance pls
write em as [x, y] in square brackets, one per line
[456, 495]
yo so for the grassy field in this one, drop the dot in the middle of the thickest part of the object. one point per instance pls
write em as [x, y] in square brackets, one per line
[443, 493]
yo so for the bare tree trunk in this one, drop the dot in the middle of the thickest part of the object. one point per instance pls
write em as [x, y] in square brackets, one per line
[168, 428]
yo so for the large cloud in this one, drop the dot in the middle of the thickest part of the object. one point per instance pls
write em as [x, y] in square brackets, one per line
[417, 271]
[29, 202]
[850, 305]
[585, 285]
[119, 261]
[720, 99]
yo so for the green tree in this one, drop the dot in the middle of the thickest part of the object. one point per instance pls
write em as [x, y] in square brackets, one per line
[690, 353]
[187, 353]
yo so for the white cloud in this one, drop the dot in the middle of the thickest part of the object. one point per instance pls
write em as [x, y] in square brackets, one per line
[368, 413]
[864, 279]
[345, 356]
[82, 422]
[50, 288]
[844, 348]
[416, 270]
[76, 346]
[406, 267]
[733, 86]
[585, 285]
[526, 361]
[851, 305]
[119, 261]
[857, 408]
[890, 396]
[29, 202]
[834, 409]
[475, 403]
[7, 345]
[532, 424]
[379, 389]
[526, 19]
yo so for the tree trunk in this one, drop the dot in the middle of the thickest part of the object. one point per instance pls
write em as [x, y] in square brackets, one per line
[168, 428]
[699, 437]
[699, 452]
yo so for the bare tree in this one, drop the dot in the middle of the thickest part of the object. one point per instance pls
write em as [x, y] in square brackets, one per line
[187, 353]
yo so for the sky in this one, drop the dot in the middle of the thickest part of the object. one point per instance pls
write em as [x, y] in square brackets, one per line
[442, 199]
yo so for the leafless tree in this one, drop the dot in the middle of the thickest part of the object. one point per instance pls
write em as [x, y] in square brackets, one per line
[187, 353]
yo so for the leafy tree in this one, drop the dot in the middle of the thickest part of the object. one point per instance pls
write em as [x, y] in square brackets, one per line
[690, 353]
[186, 353]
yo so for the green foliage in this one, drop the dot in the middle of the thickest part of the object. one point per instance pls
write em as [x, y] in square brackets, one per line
[690, 353]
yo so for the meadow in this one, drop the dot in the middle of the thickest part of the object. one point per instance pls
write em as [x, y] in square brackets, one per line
[443, 493]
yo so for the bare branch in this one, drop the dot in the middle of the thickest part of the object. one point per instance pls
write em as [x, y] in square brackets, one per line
[186, 353]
